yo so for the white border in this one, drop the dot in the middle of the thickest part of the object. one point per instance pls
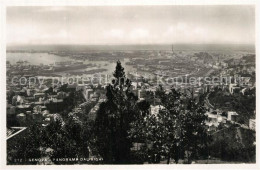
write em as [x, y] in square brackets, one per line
[5, 3]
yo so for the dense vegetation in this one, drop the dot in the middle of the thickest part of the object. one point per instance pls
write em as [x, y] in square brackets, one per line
[244, 105]
[234, 144]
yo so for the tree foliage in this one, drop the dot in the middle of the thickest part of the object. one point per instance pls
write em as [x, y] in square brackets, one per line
[114, 118]
[69, 139]
[177, 131]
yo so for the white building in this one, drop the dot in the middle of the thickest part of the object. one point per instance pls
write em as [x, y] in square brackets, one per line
[233, 88]
[154, 110]
[232, 116]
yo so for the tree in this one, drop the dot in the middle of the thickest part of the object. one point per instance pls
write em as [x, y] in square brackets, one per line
[114, 118]
[234, 144]
[69, 139]
[9, 96]
[119, 72]
[176, 131]
[143, 107]
[25, 147]
[195, 138]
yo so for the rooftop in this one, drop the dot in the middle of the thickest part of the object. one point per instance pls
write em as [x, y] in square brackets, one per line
[13, 131]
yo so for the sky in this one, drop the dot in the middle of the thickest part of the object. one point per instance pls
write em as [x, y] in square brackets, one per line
[119, 25]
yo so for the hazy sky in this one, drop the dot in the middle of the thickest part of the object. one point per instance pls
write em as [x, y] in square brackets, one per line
[130, 25]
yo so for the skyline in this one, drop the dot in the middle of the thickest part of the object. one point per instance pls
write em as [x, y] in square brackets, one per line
[130, 25]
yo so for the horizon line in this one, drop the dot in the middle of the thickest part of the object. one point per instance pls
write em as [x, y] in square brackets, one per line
[251, 44]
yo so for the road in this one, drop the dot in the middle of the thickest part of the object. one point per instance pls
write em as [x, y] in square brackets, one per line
[207, 102]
